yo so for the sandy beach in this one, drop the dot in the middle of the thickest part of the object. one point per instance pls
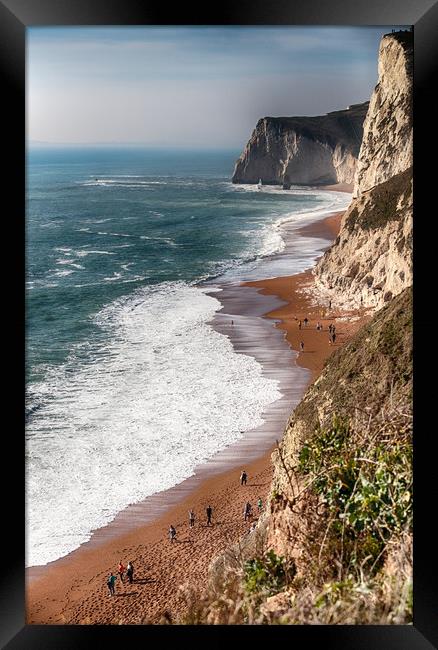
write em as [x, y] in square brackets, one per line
[73, 590]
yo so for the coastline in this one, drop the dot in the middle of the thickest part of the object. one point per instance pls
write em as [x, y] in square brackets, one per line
[73, 590]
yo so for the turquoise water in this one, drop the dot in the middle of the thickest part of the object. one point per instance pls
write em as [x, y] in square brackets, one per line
[121, 361]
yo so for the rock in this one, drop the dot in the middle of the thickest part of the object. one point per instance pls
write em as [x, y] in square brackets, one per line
[303, 150]
[371, 260]
[387, 142]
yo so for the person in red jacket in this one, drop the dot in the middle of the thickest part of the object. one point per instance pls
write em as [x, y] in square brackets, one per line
[121, 570]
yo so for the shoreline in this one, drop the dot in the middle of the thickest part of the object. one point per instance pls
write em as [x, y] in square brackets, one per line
[62, 591]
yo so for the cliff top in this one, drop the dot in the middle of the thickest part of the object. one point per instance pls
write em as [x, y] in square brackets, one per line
[345, 126]
[403, 36]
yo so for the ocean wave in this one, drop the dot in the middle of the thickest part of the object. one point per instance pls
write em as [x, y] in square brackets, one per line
[114, 234]
[85, 253]
[145, 409]
[63, 273]
[69, 262]
[114, 277]
[166, 240]
[119, 183]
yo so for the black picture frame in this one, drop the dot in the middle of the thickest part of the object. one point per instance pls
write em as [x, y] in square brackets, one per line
[15, 17]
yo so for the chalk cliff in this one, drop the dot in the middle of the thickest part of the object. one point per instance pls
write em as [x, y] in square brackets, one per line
[303, 150]
[371, 260]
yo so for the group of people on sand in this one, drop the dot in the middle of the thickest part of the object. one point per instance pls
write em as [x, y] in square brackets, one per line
[247, 512]
[121, 570]
[172, 529]
[129, 569]
[319, 327]
[247, 509]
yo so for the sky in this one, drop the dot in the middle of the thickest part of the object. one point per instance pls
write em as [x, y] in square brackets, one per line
[189, 87]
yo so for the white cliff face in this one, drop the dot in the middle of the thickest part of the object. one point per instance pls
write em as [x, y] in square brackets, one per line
[386, 148]
[371, 260]
[309, 161]
[345, 165]
[370, 263]
[274, 155]
[303, 150]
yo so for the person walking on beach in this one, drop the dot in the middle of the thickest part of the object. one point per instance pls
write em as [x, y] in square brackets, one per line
[330, 304]
[302, 346]
[330, 328]
[172, 533]
[243, 477]
[191, 518]
[306, 320]
[121, 570]
[111, 582]
[247, 511]
[318, 326]
[209, 512]
[299, 324]
[260, 505]
[130, 572]
[334, 337]
[232, 322]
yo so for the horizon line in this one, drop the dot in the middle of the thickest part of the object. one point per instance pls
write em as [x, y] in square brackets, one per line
[126, 144]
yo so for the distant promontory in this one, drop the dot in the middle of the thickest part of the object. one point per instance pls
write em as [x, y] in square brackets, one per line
[316, 150]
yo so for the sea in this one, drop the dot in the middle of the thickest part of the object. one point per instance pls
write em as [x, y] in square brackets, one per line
[128, 386]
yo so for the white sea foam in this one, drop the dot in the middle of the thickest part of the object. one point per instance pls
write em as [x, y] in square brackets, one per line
[115, 276]
[166, 240]
[119, 182]
[85, 253]
[49, 224]
[70, 262]
[302, 251]
[163, 394]
[114, 234]
[63, 273]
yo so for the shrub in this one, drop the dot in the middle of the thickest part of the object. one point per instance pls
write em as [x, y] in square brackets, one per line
[367, 489]
[268, 574]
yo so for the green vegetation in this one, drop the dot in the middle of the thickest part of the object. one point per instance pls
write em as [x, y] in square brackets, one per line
[384, 204]
[365, 485]
[267, 574]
